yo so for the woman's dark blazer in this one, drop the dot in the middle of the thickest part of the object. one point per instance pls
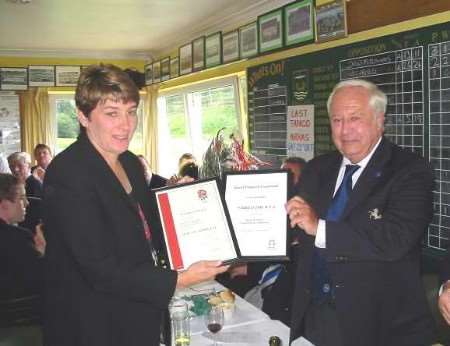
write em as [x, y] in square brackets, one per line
[102, 287]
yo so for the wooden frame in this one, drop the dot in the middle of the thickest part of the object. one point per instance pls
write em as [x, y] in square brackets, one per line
[41, 75]
[299, 22]
[174, 67]
[331, 21]
[230, 46]
[185, 56]
[248, 40]
[165, 69]
[198, 54]
[13, 78]
[67, 75]
[213, 49]
[270, 30]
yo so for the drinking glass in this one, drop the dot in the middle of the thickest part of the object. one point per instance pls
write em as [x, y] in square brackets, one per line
[180, 322]
[214, 321]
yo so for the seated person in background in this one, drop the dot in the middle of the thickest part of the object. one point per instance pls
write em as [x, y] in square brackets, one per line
[444, 292]
[4, 167]
[20, 251]
[43, 156]
[189, 169]
[153, 180]
[184, 159]
[19, 164]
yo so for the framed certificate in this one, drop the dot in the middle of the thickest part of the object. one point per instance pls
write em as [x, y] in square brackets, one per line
[196, 224]
[255, 202]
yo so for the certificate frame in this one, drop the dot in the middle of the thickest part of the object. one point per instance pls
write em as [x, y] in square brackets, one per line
[255, 179]
[41, 75]
[173, 204]
[299, 22]
[271, 32]
[331, 21]
[213, 49]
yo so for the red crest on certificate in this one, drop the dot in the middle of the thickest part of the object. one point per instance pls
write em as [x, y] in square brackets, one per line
[202, 194]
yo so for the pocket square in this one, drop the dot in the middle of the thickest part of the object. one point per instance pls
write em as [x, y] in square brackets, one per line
[374, 214]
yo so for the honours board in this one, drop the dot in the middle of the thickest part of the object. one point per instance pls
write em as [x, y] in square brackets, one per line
[412, 68]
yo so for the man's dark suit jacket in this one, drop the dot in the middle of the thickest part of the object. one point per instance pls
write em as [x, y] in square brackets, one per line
[21, 266]
[102, 287]
[373, 252]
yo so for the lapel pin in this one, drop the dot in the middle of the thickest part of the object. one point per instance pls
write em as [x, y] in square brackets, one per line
[374, 214]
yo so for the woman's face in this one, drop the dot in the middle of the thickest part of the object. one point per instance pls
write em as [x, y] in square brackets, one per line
[110, 126]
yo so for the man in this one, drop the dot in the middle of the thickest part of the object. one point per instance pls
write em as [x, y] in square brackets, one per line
[358, 280]
[444, 292]
[43, 156]
[20, 251]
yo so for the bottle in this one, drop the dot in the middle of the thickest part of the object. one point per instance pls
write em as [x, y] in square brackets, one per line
[274, 341]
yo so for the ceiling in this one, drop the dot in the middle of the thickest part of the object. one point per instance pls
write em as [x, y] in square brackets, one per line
[137, 29]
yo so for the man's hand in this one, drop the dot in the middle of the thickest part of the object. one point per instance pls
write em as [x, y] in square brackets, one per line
[199, 272]
[444, 302]
[302, 215]
[39, 240]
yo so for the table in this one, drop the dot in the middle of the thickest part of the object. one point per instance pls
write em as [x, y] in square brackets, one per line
[247, 326]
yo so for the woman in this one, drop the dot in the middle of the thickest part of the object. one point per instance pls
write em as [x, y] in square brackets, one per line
[103, 285]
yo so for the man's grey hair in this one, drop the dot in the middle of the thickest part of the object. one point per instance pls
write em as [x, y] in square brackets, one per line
[22, 156]
[377, 98]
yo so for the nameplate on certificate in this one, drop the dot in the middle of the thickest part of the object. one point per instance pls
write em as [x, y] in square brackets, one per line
[256, 204]
[195, 224]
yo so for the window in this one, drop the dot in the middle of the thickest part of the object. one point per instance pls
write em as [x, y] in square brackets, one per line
[67, 127]
[189, 118]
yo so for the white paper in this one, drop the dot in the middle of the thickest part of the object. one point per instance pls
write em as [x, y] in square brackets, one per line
[256, 206]
[200, 223]
[301, 341]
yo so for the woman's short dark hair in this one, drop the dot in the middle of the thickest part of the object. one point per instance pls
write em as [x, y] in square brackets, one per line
[98, 83]
[8, 184]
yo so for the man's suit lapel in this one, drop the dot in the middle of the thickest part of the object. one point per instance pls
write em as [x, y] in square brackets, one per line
[328, 183]
[372, 175]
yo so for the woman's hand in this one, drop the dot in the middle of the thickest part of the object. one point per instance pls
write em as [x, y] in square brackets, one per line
[199, 272]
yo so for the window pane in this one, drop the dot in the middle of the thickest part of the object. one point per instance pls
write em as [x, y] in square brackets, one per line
[67, 123]
[137, 142]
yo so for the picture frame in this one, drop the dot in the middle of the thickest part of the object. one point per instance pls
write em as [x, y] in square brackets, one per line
[230, 46]
[41, 76]
[156, 72]
[174, 67]
[331, 21]
[270, 30]
[165, 69]
[198, 53]
[67, 75]
[13, 78]
[185, 56]
[248, 40]
[299, 22]
[148, 72]
[213, 49]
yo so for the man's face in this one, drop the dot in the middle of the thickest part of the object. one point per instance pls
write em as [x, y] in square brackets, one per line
[355, 127]
[14, 211]
[20, 169]
[43, 157]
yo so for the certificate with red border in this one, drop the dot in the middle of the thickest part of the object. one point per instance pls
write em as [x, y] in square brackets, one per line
[196, 224]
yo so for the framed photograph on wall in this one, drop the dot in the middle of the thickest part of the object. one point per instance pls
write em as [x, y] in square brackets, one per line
[198, 52]
[165, 69]
[299, 22]
[13, 78]
[67, 75]
[157, 72]
[270, 28]
[213, 49]
[148, 70]
[248, 40]
[185, 54]
[174, 67]
[41, 75]
[230, 46]
[331, 21]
